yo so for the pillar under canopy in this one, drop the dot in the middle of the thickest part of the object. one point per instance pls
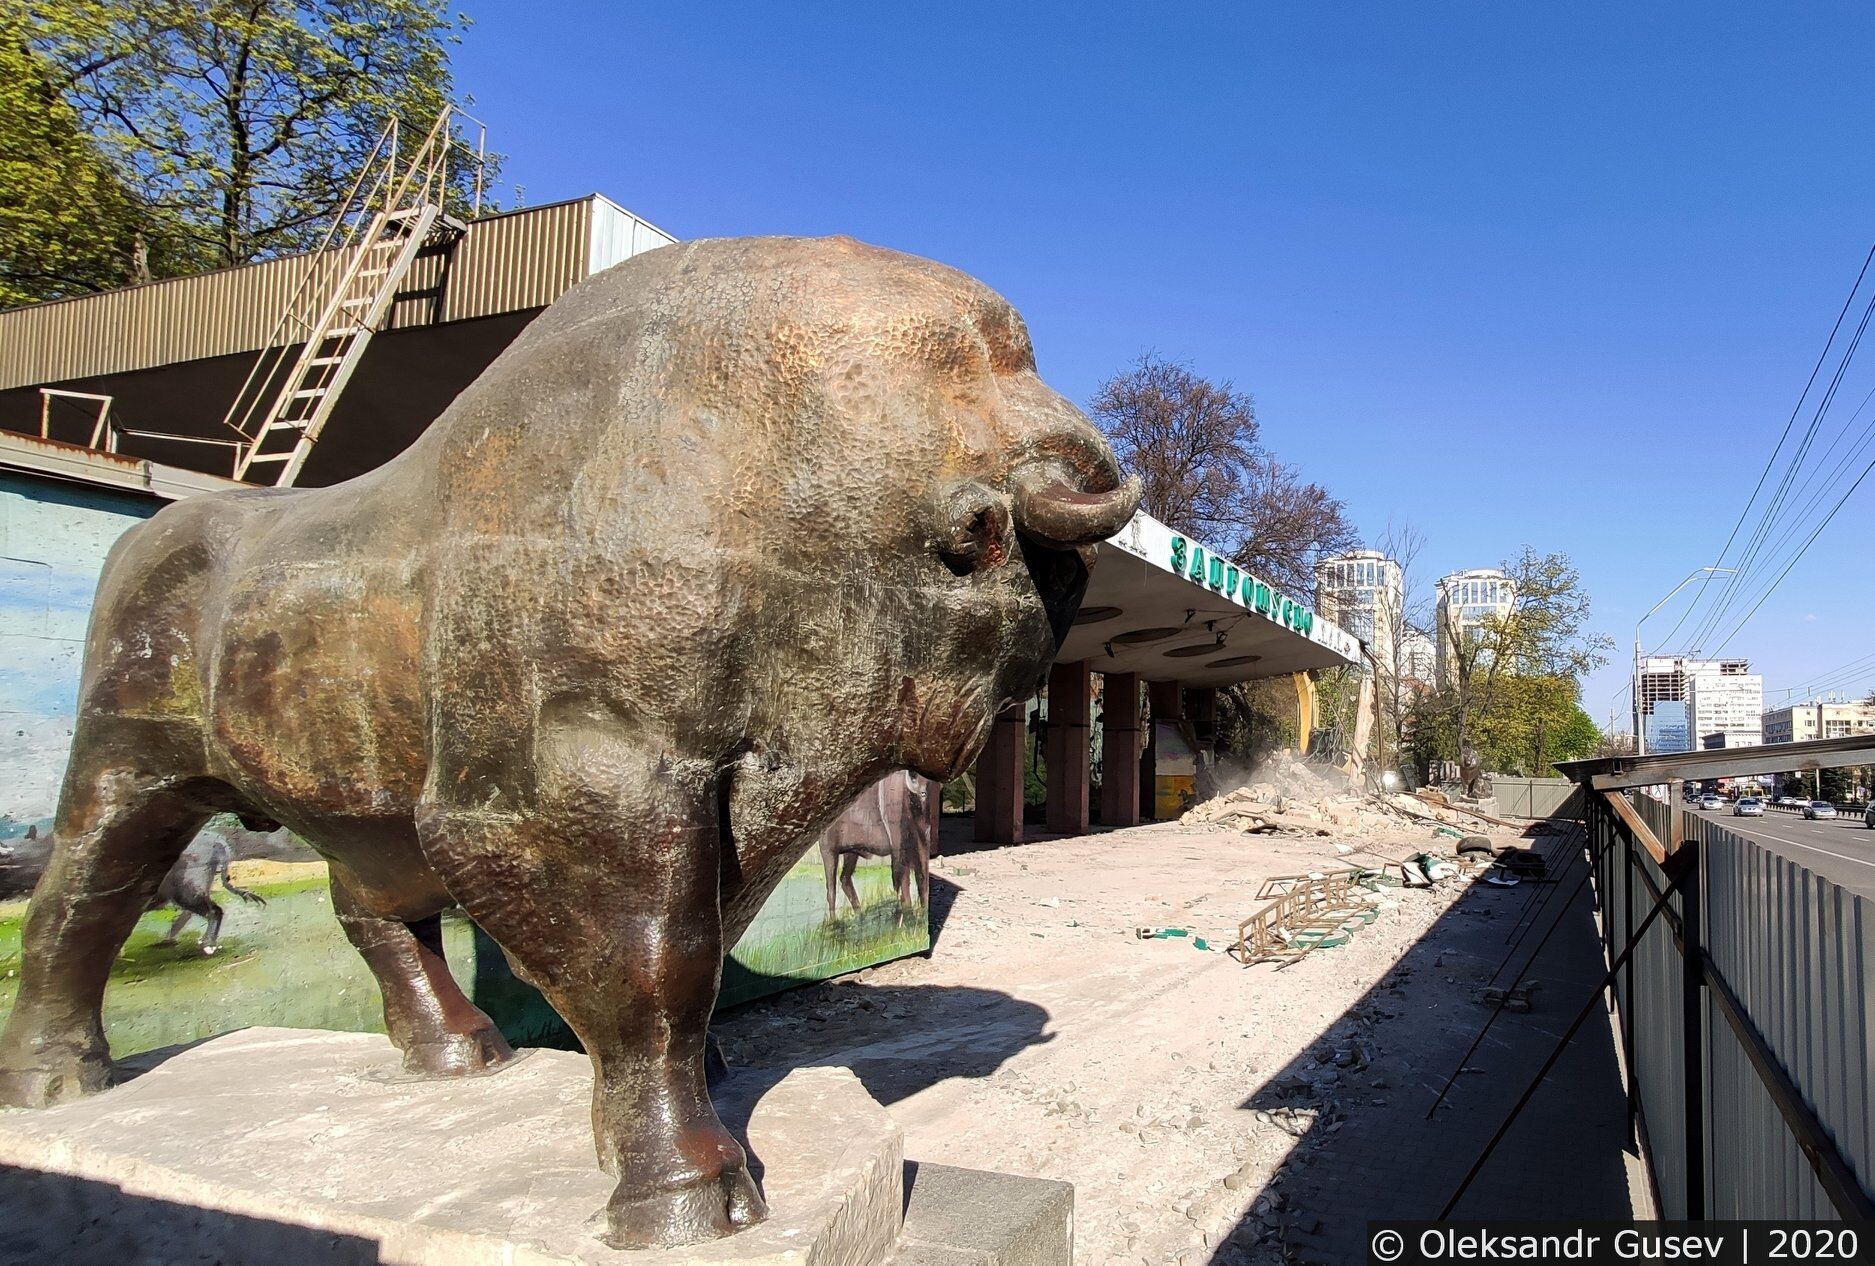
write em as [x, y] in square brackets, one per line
[999, 778]
[1120, 750]
[1070, 706]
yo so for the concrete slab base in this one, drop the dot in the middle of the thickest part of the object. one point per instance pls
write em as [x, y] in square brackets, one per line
[305, 1147]
[973, 1217]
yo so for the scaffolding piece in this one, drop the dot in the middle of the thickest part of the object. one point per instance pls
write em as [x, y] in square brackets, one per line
[1312, 911]
[393, 212]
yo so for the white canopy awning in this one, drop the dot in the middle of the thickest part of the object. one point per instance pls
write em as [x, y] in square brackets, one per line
[1166, 607]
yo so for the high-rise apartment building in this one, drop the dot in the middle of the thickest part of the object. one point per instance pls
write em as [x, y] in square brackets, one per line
[1666, 679]
[1725, 709]
[1365, 593]
[1466, 600]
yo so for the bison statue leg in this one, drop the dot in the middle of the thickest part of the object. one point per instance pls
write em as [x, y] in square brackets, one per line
[118, 832]
[429, 1019]
[606, 894]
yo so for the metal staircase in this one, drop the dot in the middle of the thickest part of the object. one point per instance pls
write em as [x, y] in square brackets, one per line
[394, 211]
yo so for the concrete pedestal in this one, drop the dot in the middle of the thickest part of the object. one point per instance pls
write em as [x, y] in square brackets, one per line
[296, 1146]
[304, 1148]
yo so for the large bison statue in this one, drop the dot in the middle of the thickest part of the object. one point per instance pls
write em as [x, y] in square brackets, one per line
[731, 531]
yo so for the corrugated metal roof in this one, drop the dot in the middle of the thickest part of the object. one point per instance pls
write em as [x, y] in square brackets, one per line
[512, 262]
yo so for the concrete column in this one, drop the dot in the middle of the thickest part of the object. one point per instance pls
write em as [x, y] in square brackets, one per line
[1070, 696]
[999, 778]
[1121, 748]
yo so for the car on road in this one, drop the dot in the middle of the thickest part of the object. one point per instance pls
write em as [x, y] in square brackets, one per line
[1819, 809]
[1748, 807]
[1710, 801]
[1868, 816]
[1791, 802]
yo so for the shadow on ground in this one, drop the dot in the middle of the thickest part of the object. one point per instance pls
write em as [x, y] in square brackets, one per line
[898, 1039]
[1357, 1100]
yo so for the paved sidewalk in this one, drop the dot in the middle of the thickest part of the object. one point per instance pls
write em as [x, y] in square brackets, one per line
[1373, 1154]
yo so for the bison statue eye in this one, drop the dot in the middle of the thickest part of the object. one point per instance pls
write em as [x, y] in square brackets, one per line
[977, 536]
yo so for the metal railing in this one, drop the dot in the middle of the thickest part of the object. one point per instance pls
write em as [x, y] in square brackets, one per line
[1744, 1008]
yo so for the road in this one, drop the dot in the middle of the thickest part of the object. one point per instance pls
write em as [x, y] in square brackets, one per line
[1842, 851]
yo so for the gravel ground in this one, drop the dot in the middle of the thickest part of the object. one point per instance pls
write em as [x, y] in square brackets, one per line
[1169, 1084]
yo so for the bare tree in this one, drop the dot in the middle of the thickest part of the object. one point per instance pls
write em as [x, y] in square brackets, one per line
[1398, 678]
[1194, 445]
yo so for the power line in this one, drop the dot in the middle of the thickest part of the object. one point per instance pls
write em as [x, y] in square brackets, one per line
[1793, 560]
[1737, 585]
[1796, 409]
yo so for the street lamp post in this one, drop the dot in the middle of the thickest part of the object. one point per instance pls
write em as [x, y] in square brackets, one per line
[1640, 737]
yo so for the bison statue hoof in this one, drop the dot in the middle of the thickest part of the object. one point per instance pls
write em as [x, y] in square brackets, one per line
[50, 1081]
[459, 1054]
[690, 1215]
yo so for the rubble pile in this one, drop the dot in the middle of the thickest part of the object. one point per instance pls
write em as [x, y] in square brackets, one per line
[1285, 795]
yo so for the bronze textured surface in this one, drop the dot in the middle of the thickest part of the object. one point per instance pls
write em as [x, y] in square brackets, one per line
[733, 530]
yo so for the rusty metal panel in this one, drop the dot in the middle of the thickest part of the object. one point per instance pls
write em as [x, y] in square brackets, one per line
[506, 263]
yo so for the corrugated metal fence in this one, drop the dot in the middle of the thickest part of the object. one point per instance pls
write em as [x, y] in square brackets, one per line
[1745, 1020]
[1533, 797]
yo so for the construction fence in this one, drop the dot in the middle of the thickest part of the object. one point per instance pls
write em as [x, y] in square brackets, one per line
[1744, 1017]
[1533, 797]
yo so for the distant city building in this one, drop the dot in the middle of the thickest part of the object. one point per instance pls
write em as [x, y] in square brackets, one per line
[1665, 727]
[1365, 593]
[1665, 679]
[1466, 600]
[1726, 703]
[1818, 719]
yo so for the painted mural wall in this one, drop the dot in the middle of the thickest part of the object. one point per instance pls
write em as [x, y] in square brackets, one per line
[53, 539]
[247, 936]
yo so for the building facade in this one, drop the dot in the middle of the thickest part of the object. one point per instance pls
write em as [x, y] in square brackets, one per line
[1466, 600]
[1662, 684]
[1818, 719]
[1365, 593]
[1728, 705]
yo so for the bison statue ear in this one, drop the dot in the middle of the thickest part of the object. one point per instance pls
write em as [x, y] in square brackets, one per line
[974, 532]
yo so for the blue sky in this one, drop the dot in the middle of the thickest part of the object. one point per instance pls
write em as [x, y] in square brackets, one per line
[1516, 274]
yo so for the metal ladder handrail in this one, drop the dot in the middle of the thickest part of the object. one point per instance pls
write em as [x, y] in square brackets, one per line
[409, 200]
[380, 159]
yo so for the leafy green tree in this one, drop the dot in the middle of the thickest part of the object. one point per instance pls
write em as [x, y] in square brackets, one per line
[244, 122]
[1538, 721]
[67, 223]
[1542, 634]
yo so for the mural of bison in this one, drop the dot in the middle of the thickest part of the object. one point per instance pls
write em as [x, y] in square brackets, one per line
[891, 819]
[732, 531]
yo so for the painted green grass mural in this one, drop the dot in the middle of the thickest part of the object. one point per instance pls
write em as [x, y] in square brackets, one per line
[793, 941]
[287, 963]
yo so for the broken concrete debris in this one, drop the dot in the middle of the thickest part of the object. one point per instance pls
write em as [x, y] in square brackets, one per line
[1291, 796]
